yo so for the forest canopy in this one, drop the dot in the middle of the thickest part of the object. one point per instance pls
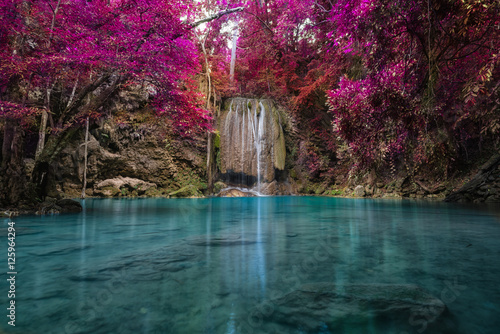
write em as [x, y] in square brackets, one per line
[406, 83]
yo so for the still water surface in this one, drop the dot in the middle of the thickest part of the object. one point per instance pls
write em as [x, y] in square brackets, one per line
[220, 265]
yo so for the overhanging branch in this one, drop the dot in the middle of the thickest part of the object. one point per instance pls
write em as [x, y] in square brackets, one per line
[217, 16]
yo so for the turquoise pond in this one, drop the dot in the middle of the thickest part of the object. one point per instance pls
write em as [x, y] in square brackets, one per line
[256, 265]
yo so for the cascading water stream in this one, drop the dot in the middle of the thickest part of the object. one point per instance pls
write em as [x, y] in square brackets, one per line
[258, 148]
[248, 143]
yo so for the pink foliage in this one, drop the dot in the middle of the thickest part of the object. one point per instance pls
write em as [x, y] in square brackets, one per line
[391, 72]
[78, 41]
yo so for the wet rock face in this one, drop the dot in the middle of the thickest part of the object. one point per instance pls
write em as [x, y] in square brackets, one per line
[359, 191]
[128, 161]
[483, 187]
[360, 307]
[60, 206]
[252, 142]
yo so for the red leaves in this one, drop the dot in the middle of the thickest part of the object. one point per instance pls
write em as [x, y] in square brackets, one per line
[25, 115]
[81, 40]
[388, 68]
[415, 62]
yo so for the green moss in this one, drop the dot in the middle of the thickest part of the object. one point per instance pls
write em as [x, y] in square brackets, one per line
[187, 191]
[217, 139]
[279, 143]
[188, 177]
[110, 191]
[152, 192]
[218, 186]
[334, 192]
[320, 189]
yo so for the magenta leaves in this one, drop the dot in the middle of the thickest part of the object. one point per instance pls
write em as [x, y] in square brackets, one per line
[69, 45]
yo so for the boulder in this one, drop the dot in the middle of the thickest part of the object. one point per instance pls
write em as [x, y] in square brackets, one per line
[107, 192]
[483, 187]
[219, 241]
[8, 213]
[233, 192]
[270, 189]
[108, 187]
[218, 186]
[359, 191]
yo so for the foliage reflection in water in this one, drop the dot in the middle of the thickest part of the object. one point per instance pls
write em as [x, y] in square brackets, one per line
[258, 265]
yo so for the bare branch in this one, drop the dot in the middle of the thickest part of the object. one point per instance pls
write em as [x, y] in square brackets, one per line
[217, 16]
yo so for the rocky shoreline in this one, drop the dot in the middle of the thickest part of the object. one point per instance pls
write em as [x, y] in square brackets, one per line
[132, 161]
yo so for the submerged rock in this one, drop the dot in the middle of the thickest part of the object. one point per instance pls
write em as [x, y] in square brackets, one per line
[223, 240]
[61, 250]
[19, 231]
[69, 205]
[60, 206]
[148, 266]
[360, 308]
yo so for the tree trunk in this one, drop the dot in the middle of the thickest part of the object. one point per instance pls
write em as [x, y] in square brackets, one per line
[85, 163]
[13, 185]
[209, 82]
[42, 176]
[211, 163]
[41, 133]
[233, 54]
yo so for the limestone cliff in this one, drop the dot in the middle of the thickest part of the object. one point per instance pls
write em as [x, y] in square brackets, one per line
[130, 160]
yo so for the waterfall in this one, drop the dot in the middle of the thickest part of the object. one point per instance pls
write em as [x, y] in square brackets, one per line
[251, 134]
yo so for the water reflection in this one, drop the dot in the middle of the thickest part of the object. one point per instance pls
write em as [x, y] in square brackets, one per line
[223, 265]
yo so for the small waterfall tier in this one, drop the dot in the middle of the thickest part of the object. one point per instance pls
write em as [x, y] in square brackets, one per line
[252, 143]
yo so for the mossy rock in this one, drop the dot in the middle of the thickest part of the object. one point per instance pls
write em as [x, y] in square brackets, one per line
[218, 186]
[320, 189]
[107, 192]
[334, 192]
[8, 214]
[152, 192]
[279, 142]
[187, 191]
[217, 139]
